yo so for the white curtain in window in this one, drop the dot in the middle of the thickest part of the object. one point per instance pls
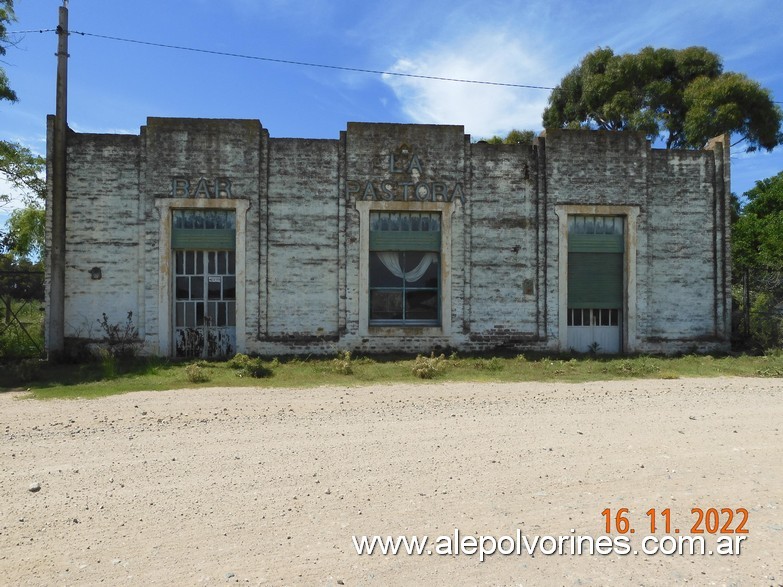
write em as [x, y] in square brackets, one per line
[392, 262]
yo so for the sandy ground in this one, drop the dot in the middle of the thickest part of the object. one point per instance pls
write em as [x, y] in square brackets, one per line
[249, 486]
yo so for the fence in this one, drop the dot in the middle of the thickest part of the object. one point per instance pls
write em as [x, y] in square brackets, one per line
[758, 310]
[21, 303]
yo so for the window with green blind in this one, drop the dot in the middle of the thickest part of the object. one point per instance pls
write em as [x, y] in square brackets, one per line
[204, 230]
[595, 261]
[404, 265]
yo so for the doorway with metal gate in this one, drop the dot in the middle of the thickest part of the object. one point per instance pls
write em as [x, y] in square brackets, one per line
[205, 288]
[595, 283]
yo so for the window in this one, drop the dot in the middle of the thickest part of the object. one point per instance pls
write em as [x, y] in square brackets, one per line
[404, 268]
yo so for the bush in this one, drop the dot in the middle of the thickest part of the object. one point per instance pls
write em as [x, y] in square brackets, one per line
[342, 363]
[27, 370]
[248, 366]
[238, 361]
[122, 339]
[196, 373]
[428, 367]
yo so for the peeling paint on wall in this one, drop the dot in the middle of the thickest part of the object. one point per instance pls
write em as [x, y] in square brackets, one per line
[303, 278]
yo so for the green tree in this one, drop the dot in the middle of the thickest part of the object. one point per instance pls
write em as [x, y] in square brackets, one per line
[514, 137]
[680, 95]
[22, 170]
[6, 16]
[757, 257]
[757, 235]
[25, 233]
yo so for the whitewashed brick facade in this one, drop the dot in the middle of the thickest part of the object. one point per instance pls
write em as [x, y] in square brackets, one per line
[302, 254]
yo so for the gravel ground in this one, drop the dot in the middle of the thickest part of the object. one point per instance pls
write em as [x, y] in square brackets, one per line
[268, 486]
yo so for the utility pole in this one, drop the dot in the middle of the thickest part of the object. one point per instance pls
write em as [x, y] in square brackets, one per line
[56, 265]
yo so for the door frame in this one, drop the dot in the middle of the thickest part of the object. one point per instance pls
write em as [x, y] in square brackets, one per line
[165, 206]
[628, 341]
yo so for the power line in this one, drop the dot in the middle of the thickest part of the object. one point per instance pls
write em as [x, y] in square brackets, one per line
[31, 31]
[303, 63]
[307, 64]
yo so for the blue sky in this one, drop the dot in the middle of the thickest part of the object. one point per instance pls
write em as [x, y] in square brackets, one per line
[114, 86]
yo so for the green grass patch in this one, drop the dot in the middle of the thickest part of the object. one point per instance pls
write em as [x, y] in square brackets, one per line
[112, 375]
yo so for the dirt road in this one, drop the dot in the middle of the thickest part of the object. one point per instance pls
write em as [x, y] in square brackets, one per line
[248, 486]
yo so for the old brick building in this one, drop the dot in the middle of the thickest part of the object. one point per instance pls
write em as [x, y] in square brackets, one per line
[220, 239]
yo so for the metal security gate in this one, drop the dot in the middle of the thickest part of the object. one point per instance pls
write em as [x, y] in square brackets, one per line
[205, 306]
[204, 283]
[595, 283]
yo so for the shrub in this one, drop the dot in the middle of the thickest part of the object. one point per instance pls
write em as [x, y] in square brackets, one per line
[249, 366]
[238, 361]
[196, 373]
[428, 367]
[342, 363]
[27, 370]
[122, 339]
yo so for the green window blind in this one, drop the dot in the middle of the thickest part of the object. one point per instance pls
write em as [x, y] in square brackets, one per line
[203, 239]
[595, 243]
[404, 241]
[595, 280]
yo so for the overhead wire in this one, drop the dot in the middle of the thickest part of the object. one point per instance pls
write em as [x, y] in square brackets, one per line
[302, 63]
[298, 63]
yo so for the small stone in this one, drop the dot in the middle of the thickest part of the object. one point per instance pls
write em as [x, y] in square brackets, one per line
[328, 492]
[230, 575]
[34, 487]
[340, 582]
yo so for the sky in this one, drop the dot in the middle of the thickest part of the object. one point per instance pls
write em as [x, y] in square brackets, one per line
[114, 86]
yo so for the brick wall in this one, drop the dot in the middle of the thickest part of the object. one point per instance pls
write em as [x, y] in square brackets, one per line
[303, 283]
[103, 231]
[302, 262]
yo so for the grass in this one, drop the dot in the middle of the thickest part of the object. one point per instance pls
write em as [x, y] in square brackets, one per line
[114, 376]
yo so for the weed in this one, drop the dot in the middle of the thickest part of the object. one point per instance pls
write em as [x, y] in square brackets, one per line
[636, 367]
[196, 373]
[342, 363]
[27, 370]
[493, 364]
[428, 367]
[668, 375]
[248, 366]
[122, 339]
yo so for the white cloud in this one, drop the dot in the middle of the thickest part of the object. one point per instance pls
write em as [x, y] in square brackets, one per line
[484, 110]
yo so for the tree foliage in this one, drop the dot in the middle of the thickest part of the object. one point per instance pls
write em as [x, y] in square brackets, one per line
[25, 232]
[22, 170]
[757, 235]
[6, 16]
[514, 137]
[680, 95]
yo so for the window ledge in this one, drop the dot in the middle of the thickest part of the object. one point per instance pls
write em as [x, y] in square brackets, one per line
[405, 331]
